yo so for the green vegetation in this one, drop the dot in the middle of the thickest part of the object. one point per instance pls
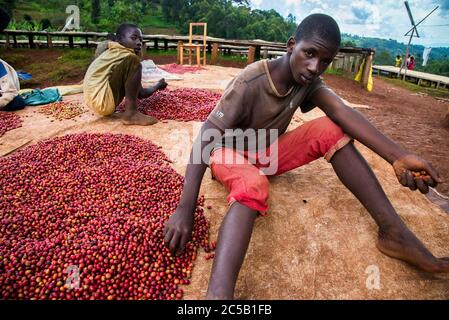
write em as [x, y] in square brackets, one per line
[60, 66]
[232, 19]
[334, 72]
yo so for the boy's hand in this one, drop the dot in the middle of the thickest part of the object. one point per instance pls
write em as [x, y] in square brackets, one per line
[416, 173]
[162, 84]
[178, 230]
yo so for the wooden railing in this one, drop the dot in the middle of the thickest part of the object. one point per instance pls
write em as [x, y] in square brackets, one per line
[348, 59]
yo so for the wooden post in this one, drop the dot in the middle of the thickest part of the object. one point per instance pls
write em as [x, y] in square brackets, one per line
[251, 54]
[7, 40]
[180, 53]
[357, 63]
[71, 42]
[351, 64]
[366, 70]
[87, 41]
[214, 57]
[258, 52]
[209, 48]
[165, 44]
[49, 42]
[156, 44]
[14, 38]
[31, 40]
[265, 53]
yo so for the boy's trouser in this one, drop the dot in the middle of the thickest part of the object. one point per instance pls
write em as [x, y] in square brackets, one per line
[245, 181]
[16, 104]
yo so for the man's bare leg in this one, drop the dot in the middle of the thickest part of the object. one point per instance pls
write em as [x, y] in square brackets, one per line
[395, 239]
[232, 243]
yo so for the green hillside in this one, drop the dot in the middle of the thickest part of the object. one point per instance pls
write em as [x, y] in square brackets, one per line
[386, 51]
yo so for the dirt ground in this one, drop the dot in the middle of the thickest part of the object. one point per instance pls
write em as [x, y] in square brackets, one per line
[318, 241]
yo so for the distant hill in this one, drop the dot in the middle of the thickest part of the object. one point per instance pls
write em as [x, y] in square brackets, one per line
[393, 47]
[386, 51]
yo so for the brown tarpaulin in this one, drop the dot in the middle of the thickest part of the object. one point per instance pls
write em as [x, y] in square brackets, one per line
[320, 248]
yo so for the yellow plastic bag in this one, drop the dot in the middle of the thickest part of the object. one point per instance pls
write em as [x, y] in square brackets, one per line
[358, 77]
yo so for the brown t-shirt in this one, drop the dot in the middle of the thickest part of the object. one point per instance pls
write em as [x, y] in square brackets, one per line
[251, 101]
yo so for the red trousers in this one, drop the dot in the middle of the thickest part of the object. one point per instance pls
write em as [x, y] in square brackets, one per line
[248, 184]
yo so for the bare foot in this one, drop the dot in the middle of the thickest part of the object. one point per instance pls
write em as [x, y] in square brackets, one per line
[405, 246]
[137, 118]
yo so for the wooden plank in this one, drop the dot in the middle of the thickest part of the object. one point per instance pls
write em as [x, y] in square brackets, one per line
[209, 40]
[49, 41]
[180, 52]
[416, 74]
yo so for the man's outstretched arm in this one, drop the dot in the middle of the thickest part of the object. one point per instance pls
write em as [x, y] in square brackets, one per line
[178, 229]
[357, 126]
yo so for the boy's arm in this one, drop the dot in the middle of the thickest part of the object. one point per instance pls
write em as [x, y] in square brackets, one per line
[178, 229]
[357, 126]
[146, 92]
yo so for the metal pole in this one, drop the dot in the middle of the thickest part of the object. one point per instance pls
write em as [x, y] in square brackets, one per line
[406, 55]
[404, 62]
[422, 20]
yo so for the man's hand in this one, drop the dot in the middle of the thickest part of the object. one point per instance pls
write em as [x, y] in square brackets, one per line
[161, 85]
[416, 173]
[178, 230]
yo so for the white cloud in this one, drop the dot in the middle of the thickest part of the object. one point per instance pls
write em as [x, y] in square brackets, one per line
[373, 18]
[256, 3]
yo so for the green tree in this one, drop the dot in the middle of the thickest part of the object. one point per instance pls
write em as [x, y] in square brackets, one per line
[8, 6]
[121, 11]
[95, 11]
[384, 58]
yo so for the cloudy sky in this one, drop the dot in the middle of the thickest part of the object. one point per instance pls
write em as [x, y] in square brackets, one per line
[374, 18]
